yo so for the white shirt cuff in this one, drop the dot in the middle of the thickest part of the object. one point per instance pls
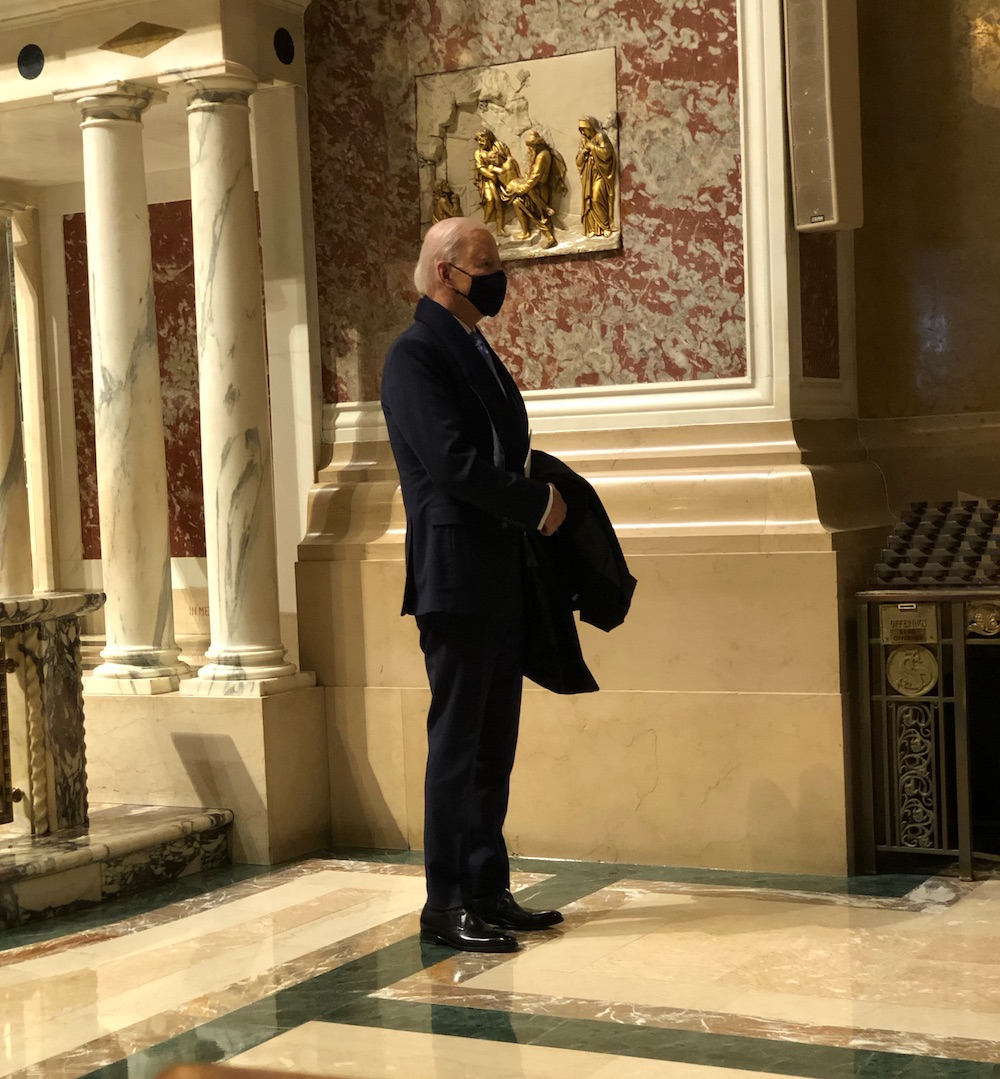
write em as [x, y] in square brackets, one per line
[548, 508]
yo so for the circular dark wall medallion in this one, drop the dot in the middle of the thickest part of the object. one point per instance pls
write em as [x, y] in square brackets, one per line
[284, 46]
[30, 61]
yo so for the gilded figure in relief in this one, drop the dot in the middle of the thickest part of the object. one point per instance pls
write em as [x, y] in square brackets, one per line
[532, 196]
[494, 169]
[446, 202]
[597, 161]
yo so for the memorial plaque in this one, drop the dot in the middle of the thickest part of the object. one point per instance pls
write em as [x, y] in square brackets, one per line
[908, 623]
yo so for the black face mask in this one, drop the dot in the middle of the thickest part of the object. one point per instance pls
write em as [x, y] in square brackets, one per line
[486, 291]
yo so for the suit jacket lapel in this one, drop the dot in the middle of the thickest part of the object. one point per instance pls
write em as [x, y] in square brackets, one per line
[516, 416]
[473, 366]
[510, 387]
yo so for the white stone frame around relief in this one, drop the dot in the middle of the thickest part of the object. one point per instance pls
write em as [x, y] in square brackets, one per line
[549, 95]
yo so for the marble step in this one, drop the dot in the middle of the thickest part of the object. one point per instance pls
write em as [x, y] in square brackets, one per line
[124, 849]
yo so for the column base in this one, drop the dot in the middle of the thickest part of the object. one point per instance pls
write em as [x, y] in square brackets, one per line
[141, 666]
[247, 687]
[130, 687]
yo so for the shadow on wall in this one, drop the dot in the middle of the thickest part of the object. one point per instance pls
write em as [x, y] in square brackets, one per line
[360, 767]
[221, 781]
[365, 736]
[807, 825]
[361, 815]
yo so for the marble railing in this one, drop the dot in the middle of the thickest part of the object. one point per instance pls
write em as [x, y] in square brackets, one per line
[41, 642]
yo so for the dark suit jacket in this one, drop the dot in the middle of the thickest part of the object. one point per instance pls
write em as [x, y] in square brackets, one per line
[466, 496]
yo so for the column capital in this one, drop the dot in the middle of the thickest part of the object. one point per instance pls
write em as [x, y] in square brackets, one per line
[220, 84]
[113, 101]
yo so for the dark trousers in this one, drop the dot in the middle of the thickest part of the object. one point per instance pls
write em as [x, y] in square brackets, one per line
[474, 665]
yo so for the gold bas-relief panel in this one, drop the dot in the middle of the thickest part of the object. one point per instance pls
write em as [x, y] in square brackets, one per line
[530, 149]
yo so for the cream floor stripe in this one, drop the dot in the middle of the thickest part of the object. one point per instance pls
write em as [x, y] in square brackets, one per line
[351, 1052]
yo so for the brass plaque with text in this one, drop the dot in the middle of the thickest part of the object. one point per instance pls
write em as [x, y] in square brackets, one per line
[908, 623]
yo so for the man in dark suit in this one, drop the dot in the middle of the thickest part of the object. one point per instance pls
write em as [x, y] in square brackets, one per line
[459, 433]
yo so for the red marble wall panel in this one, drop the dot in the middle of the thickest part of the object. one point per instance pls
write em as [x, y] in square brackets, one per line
[78, 295]
[173, 285]
[820, 309]
[669, 306]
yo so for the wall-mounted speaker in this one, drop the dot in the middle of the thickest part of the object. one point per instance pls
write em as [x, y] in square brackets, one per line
[823, 102]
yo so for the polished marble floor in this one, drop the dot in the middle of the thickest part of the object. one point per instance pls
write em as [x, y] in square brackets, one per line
[317, 968]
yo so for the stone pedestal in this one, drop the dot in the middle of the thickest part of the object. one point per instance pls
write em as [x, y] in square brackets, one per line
[265, 758]
[717, 739]
[122, 850]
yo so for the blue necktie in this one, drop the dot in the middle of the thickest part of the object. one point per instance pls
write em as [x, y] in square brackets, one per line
[484, 350]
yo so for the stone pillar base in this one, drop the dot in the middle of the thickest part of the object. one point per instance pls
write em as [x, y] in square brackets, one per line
[265, 758]
[718, 737]
[130, 687]
[247, 687]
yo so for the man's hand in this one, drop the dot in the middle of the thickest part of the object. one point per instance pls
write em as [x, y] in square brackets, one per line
[556, 515]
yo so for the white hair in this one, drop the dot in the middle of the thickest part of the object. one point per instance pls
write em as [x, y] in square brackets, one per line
[443, 243]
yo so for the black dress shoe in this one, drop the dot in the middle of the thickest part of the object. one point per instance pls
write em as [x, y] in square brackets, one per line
[505, 912]
[460, 928]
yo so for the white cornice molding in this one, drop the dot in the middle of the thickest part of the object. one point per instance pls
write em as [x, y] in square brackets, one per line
[15, 13]
[594, 408]
[19, 12]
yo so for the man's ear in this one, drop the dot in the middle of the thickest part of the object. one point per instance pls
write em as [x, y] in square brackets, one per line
[444, 272]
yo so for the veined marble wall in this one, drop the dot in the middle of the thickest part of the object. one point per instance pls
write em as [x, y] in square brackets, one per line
[668, 307]
[928, 256]
[820, 307]
[173, 283]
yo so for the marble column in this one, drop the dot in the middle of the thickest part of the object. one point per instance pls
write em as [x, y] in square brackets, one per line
[35, 376]
[15, 533]
[246, 655]
[140, 655]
